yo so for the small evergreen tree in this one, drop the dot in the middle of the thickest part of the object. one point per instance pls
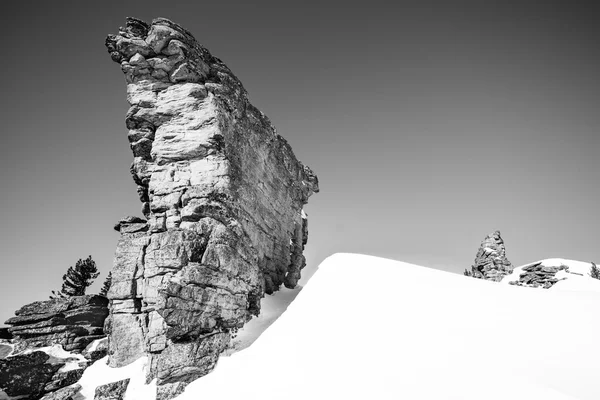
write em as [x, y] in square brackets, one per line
[467, 272]
[106, 285]
[595, 271]
[77, 279]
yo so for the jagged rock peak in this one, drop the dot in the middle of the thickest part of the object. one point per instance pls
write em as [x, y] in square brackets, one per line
[222, 197]
[491, 262]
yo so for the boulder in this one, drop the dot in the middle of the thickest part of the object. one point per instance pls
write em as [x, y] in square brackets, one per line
[26, 375]
[36, 374]
[112, 391]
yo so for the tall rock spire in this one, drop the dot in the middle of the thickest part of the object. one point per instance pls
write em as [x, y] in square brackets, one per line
[222, 196]
[491, 262]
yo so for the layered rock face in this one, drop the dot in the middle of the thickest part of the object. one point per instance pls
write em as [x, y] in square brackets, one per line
[491, 262]
[222, 196]
[71, 322]
[539, 275]
[49, 373]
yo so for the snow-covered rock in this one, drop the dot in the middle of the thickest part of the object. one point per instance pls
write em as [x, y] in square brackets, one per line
[491, 262]
[417, 334]
[554, 273]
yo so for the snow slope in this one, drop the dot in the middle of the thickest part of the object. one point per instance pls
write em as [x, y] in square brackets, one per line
[370, 328]
[577, 278]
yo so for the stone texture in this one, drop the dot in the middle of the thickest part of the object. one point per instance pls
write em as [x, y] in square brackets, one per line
[27, 375]
[6, 349]
[491, 262]
[66, 393]
[96, 351]
[72, 322]
[36, 374]
[222, 196]
[112, 391]
[539, 276]
[61, 379]
[5, 334]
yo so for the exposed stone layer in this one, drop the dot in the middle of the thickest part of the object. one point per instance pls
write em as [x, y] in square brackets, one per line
[66, 393]
[112, 391]
[222, 196]
[539, 275]
[38, 375]
[491, 262]
[72, 322]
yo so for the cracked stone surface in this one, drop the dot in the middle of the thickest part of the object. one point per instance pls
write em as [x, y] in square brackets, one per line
[539, 275]
[72, 322]
[222, 202]
[491, 262]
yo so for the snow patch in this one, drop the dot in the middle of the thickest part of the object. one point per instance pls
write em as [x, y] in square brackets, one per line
[100, 373]
[271, 308]
[94, 345]
[59, 355]
[365, 327]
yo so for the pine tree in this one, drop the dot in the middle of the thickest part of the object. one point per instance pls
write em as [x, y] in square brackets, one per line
[106, 286]
[595, 271]
[77, 279]
[467, 273]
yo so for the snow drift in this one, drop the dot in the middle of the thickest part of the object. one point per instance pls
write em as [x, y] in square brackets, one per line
[366, 327]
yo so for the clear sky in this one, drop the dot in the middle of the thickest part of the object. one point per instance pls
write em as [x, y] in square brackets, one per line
[429, 123]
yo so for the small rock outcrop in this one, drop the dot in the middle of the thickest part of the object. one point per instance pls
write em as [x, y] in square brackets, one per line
[222, 198]
[26, 376]
[37, 374]
[72, 322]
[491, 262]
[48, 373]
[538, 275]
[112, 391]
[66, 393]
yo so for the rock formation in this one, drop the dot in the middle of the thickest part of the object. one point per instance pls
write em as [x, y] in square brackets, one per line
[66, 393]
[491, 262]
[222, 196]
[40, 374]
[112, 391]
[72, 322]
[539, 275]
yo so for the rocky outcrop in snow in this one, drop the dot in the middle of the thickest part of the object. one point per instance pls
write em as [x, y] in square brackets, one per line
[491, 262]
[222, 196]
[539, 275]
[72, 322]
[553, 273]
[49, 373]
[112, 391]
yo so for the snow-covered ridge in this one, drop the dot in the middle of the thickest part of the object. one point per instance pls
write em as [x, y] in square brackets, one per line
[367, 327]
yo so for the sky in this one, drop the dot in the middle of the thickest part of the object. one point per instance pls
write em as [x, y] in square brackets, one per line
[429, 124]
